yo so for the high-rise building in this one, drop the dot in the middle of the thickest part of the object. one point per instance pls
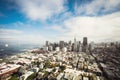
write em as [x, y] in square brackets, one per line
[75, 45]
[85, 41]
[79, 48]
[91, 46]
[50, 48]
[61, 44]
[85, 44]
[69, 46]
[47, 43]
[70, 43]
[55, 45]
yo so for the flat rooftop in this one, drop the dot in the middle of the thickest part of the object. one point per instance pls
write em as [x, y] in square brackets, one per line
[5, 68]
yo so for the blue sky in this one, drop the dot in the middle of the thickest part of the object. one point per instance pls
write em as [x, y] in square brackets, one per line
[36, 21]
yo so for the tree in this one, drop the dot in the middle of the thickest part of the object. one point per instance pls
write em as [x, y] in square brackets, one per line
[32, 76]
[62, 68]
[47, 64]
[14, 77]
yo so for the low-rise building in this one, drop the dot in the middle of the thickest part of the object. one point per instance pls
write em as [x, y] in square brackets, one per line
[7, 69]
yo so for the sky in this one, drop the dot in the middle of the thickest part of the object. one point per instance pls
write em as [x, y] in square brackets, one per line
[35, 21]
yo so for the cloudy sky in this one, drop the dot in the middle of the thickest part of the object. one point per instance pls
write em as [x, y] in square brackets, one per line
[39, 20]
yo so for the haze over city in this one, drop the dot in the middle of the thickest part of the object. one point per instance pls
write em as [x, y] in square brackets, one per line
[35, 21]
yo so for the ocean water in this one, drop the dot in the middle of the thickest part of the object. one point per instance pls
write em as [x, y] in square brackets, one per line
[12, 49]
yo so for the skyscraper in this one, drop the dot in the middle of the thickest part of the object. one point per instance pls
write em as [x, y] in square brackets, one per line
[79, 46]
[61, 44]
[75, 45]
[85, 44]
[85, 41]
[47, 43]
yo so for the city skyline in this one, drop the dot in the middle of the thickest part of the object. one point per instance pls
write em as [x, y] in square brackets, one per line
[59, 39]
[37, 21]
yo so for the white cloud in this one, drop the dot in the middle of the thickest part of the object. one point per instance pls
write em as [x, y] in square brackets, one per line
[41, 9]
[13, 35]
[58, 28]
[33, 38]
[10, 34]
[9, 31]
[96, 28]
[96, 6]
[102, 28]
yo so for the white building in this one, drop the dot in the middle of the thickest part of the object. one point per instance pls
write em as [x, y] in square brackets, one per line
[57, 49]
[50, 48]
[60, 76]
[41, 66]
[46, 48]
[64, 49]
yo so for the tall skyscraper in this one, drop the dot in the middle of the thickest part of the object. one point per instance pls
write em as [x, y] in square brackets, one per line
[91, 46]
[79, 46]
[47, 43]
[75, 45]
[85, 41]
[70, 43]
[85, 44]
[61, 44]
